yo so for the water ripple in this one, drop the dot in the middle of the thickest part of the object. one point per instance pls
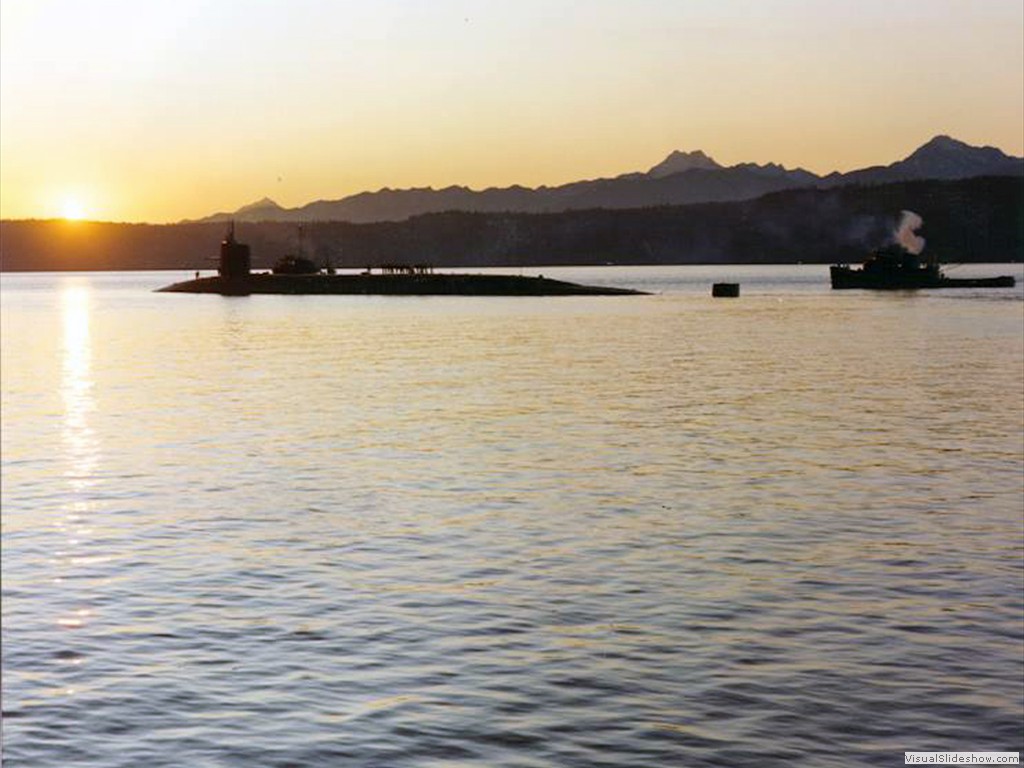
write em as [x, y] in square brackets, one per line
[663, 531]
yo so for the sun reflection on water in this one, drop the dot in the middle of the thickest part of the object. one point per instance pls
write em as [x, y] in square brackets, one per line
[77, 385]
[81, 447]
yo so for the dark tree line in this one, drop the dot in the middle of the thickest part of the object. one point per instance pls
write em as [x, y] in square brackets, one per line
[980, 219]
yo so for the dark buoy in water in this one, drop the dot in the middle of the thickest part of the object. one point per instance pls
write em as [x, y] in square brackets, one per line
[725, 290]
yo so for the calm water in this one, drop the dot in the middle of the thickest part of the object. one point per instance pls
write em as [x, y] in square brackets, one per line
[590, 531]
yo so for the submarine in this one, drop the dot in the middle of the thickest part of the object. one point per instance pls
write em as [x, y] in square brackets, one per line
[298, 276]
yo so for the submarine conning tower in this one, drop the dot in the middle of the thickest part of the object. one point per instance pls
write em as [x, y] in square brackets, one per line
[234, 256]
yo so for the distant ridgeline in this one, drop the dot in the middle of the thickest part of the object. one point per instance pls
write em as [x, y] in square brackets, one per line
[975, 219]
[682, 178]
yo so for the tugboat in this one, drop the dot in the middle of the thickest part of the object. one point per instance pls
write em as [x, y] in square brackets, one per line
[895, 269]
[898, 266]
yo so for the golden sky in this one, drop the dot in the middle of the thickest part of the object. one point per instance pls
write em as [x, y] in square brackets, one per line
[149, 110]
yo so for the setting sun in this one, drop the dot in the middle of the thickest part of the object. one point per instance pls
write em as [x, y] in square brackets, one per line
[73, 210]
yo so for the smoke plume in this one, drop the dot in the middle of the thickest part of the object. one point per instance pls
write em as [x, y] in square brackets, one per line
[909, 223]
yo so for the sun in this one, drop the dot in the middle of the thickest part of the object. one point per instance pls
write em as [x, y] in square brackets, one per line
[73, 210]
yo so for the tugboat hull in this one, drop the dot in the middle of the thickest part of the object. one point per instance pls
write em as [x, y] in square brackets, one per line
[844, 277]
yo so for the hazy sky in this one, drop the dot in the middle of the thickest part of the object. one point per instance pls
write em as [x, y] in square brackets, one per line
[156, 110]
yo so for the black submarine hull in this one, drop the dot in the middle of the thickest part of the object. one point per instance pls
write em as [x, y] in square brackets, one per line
[392, 285]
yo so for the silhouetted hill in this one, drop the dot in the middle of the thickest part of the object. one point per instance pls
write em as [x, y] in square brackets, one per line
[940, 158]
[678, 162]
[59, 245]
[680, 179]
[978, 219]
[698, 184]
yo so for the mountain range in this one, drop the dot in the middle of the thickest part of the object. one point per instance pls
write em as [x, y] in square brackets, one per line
[682, 178]
[965, 220]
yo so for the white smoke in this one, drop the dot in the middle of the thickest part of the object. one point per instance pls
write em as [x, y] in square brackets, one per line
[909, 223]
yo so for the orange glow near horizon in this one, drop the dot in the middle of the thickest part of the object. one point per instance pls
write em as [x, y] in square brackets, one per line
[162, 116]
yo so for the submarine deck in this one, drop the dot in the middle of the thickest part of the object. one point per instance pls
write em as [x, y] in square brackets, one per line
[435, 284]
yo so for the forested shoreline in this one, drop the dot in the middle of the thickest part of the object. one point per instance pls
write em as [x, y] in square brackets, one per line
[970, 220]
